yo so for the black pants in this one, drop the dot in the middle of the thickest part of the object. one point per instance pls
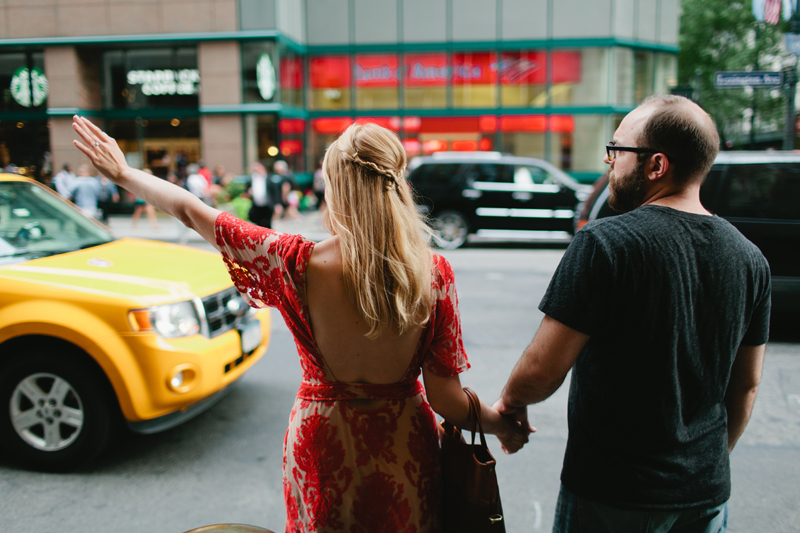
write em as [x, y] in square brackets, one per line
[261, 215]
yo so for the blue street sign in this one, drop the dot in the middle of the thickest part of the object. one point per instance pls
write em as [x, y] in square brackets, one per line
[792, 41]
[724, 80]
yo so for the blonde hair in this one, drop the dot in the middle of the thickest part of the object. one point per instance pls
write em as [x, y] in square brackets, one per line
[382, 236]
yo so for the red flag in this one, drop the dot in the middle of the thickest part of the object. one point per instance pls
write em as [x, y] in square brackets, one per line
[772, 11]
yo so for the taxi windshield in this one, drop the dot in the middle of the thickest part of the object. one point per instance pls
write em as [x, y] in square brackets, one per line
[36, 223]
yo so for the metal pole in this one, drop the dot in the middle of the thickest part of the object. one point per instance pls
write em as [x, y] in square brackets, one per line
[790, 87]
[755, 92]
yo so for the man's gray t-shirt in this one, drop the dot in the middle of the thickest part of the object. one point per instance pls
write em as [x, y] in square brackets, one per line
[667, 298]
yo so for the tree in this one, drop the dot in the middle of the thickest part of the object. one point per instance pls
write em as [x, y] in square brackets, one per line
[719, 35]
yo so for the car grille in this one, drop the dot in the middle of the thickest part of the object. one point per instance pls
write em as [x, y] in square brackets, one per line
[223, 311]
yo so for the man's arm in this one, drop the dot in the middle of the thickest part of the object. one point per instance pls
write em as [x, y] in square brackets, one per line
[742, 389]
[541, 369]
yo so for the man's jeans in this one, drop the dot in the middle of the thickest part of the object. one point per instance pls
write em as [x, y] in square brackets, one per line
[578, 515]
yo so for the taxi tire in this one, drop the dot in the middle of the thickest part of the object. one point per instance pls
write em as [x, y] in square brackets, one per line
[455, 222]
[99, 424]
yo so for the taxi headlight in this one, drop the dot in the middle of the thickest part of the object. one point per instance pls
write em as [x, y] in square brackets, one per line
[175, 320]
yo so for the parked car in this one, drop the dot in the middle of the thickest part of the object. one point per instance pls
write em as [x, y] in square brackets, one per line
[494, 195]
[98, 333]
[759, 193]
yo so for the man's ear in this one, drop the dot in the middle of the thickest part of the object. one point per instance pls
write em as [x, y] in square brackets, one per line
[657, 167]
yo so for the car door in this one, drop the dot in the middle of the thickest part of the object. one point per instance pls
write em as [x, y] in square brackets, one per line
[544, 204]
[489, 187]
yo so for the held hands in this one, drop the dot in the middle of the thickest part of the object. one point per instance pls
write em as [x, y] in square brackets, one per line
[102, 150]
[517, 428]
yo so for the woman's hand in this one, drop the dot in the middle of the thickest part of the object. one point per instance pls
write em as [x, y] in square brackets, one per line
[511, 434]
[102, 150]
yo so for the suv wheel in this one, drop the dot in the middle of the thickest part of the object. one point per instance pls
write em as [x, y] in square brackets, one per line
[450, 230]
[54, 414]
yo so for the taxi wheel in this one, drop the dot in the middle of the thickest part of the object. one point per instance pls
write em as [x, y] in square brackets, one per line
[54, 412]
[450, 230]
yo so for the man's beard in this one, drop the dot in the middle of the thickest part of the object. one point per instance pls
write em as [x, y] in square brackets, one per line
[626, 192]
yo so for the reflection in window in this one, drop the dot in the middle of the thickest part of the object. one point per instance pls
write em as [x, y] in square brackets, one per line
[291, 79]
[330, 82]
[578, 144]
[762, 191]
[474, 79]
[624, 77]
[645, 74]
[523, 79]
[579, 77]
[377, 81]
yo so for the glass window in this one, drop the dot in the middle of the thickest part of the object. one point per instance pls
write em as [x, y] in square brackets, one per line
[523, 79]
[762, 191]
[645, 75]
[490, 172]
[666, 73]
[330, 82]
[162, 145]
[259, 79]
[25, 144]
[377, 81]
[261, 138]
[474, 79]
[150, 78]
[530, 175]
[435, 174]
[624, 77]
[17, 81]
[578, 143]
[425, 80]
[579, 77]
[291, 76]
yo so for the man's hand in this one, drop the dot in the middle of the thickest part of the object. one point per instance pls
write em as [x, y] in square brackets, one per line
[517, 436]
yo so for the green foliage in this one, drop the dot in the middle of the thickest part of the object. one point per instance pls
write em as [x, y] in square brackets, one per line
[718, 35]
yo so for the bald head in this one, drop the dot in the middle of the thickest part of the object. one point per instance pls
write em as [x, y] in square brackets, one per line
[682, 130]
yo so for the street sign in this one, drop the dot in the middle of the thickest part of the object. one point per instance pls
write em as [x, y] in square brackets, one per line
[723, 80]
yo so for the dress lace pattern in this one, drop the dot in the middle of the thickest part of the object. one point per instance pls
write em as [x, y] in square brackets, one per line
[346, 469]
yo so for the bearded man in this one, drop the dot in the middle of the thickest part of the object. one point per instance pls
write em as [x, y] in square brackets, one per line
[663, 315]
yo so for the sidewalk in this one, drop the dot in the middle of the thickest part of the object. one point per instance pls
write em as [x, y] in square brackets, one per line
[309, 225]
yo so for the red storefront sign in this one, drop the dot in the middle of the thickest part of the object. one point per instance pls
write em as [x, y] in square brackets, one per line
[562, 124]
[291, 72]
[290, 126]
[426, 70]
[566, 67]
[377, 71]
[331, 125]
[330, 72]
[523, 68]
[474, 68]
[290, 147]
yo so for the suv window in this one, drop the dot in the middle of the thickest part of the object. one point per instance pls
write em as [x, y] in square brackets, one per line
[489, 172]
[435, 174]
[532, 175]
[762, 191]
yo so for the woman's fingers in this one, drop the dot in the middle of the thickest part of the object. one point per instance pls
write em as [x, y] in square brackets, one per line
[80, 146]
[80, 128]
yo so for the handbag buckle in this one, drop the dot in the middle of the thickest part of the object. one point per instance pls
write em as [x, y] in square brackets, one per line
[496, 518]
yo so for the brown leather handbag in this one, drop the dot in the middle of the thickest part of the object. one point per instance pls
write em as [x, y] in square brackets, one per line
[471, 497]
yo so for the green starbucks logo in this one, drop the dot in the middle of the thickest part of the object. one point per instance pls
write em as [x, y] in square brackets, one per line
[23, 81]
[265, 77]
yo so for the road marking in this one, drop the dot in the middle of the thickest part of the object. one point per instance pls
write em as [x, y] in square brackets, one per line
[794, 398]
[537, 511]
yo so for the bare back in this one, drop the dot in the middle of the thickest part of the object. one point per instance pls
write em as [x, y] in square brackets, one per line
[340, 331]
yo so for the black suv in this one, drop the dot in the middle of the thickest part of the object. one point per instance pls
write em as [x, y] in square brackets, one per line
[494, 195]
[759, 193]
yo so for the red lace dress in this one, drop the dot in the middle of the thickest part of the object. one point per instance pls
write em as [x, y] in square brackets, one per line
[346, 469]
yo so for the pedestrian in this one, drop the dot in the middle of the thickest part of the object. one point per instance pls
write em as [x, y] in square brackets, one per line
[85, 190]
[140, 206]
[283, 179]
[662, 313]
[196, 183]
[319, 188]
[263, 194]
[370, 309]
[109, 195]
[63, 180]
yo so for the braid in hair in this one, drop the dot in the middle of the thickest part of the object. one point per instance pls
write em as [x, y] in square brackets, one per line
[390, 176]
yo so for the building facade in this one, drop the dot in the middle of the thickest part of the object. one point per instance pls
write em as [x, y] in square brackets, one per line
[234, 81]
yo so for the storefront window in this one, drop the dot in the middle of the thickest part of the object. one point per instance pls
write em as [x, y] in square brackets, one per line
[292, 144]
[474, 79]
[427, 135]
[261, 139]
[624, 77]
[24, 145]
[330, 82]
[291, 79]
[579, 77]
[578, 142]
[523, 79]
[425, 79]
[151, 78]
[666, 75]
[23, 81]
[162, 145]
[377, 81]
[259, 76]
[645, 75]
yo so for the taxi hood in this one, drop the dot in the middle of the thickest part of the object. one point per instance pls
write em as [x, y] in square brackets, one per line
[143, 272]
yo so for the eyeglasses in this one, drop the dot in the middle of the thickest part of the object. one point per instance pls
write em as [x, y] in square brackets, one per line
[612, 149]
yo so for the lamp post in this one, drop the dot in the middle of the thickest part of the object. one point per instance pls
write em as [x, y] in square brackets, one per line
[790, 77]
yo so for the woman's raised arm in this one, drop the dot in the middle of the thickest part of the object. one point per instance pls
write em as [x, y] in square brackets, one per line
[108, 159]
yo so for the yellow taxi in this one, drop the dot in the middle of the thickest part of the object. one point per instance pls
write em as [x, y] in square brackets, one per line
[99, 333]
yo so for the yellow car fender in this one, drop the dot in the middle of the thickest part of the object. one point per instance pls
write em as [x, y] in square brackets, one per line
[57, 319]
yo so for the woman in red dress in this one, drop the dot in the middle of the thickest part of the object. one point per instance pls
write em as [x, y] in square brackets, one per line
[370, 309]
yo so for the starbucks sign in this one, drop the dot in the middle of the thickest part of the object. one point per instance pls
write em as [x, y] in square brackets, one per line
[23, 81]
[265, 77]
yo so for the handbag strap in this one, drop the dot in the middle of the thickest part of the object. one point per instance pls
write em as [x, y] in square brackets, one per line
[475, 415]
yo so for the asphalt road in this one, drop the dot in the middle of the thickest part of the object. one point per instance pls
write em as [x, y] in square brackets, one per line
[225, 466]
